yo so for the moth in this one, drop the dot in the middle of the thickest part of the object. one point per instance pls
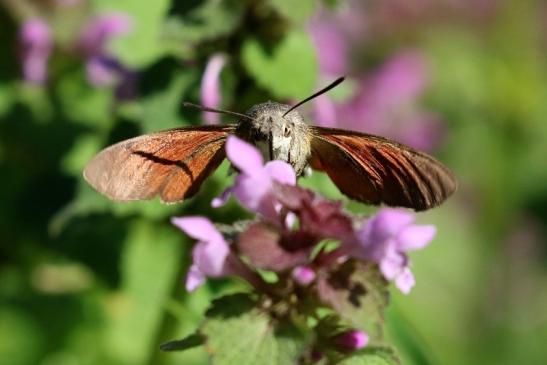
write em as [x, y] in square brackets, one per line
[174, 163]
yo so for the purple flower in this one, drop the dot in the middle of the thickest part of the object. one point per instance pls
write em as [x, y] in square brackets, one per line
[351, 340]
[287, 246]
[386, 238]
[35, 47]
[100, 30]
[334, 35]
[387, 103]
[102, 69]
[210, 87]
[303, 275]
[331, 44]
[210, 254]
[253, 184]
[325, 111]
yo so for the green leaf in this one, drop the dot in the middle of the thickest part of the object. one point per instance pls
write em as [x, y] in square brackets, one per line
[186, 343]
[240, 333]
[85, 146]
[22, 338]
[160, 110]
[296, 11]
[72, 89]
[7, 99]
[288, 71]
[149, 270]
[37, 100]
[373, 355]
[213, 19]
[143, 44]
[359, 294]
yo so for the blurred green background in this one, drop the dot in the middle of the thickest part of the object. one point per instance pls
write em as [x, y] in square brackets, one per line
[87, 281]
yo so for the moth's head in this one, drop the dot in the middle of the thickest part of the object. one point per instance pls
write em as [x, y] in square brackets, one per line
[277, 136]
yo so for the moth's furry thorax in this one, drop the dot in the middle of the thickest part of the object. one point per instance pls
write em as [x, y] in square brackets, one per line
[277, 137]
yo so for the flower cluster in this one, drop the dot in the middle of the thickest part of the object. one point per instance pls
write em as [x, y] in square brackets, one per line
[35, 47]
[101, 67]
[312, 244]
[386, 101]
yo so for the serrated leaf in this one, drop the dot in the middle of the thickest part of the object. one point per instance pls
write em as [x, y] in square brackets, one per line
[289, 71]
[239, 333]
[373, 355]
[359, 293]
[296, 11]
[186, 343]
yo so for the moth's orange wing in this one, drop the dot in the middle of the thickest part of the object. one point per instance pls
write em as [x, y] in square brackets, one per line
[171, 164]
[377, 170]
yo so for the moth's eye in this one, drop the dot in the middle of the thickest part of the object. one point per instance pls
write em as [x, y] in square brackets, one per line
[286, 131]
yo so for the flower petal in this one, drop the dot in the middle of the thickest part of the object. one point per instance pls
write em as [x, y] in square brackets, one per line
[290, 220]
[199, 228]
[102, 71]
[325, 111]
[303, 275]
[387, 223]
[352, 340]
[210, 87]
[251, 190]
[35, 46]
[210, 257]
[243, 155]
[281, 172]
[222, 198]
[96, 34]
[392, 264]
[415, 237]
[35, 35]
[405, 281]
[194, 278]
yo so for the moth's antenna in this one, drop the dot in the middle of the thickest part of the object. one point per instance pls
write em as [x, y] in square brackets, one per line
[212, 110]
[322, 91]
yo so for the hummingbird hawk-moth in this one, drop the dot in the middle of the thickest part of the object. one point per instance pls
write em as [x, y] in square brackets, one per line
[174, 163]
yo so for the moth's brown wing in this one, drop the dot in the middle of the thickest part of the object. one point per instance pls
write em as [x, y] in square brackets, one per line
[376, 170]
[171, 164]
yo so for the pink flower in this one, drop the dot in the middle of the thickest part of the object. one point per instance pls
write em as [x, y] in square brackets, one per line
[210, 87]
[387, 103]
[102, 69]
[210, 254]
[351, 340]
[386, 238]
[253, 184]
[335, 34]
[100, 30]
[332, 46]
[35, 47]
[303, 275]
